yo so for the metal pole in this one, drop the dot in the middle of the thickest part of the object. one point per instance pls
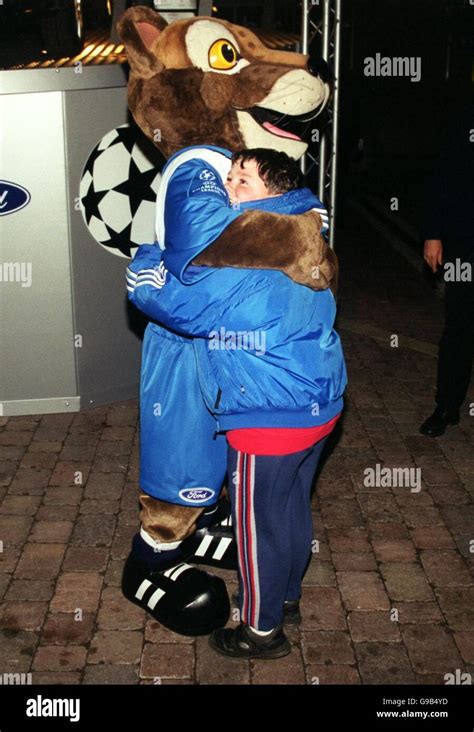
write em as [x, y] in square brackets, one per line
[304, 49]
[304, 27]
[119, 8]
[205, 7]
[323, 154]
[335, 120]
[328, 24]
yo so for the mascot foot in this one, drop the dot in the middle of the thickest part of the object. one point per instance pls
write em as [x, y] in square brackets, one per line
[181, 597]
[217, 517]
[214, 544]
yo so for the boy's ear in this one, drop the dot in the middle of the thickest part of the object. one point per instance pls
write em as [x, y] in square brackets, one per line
[138, 29]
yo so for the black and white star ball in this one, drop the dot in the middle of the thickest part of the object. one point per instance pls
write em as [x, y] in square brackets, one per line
[118, 190]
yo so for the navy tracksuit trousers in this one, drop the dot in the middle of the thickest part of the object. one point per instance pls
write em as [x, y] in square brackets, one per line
[271, 512]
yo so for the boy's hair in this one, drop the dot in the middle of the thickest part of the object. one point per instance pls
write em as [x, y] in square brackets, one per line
[279, 172]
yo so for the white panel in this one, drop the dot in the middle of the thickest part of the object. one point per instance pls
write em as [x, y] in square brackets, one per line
[175, 5]
[171, 17]
[36, 332]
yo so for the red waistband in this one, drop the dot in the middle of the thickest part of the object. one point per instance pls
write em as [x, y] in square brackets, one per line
[279, 440]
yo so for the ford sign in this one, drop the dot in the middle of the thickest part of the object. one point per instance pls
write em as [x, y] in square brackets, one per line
[12, 197]
[196, 495]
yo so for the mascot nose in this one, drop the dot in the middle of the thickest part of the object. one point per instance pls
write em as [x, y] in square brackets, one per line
[319, 67]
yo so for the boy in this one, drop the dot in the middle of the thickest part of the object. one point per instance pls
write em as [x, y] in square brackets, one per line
[277, 402]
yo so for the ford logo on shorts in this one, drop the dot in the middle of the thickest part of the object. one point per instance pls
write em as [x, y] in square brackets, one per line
[12, 197]
[196, 495]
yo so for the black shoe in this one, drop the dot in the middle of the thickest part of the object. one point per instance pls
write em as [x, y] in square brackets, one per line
[436, 425]
[180, 597]
[291, 610]
[213, 545]
[217, 517]
[242, 642]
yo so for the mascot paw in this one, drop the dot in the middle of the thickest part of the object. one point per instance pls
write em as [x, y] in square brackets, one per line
[182, 598]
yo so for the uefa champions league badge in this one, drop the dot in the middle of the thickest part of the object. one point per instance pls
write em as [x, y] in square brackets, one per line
[206, 182]
[207, 175]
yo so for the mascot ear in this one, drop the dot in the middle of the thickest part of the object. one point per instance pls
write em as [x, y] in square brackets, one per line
[138, 29]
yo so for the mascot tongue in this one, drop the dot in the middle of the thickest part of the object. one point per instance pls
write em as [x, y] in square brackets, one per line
[277, 131]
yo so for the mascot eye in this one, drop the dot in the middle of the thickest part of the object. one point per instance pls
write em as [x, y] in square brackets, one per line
[223, 55]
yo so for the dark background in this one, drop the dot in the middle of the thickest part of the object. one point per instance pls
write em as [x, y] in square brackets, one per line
[390, 128]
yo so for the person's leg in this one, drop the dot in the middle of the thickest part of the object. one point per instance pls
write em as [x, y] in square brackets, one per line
[456, 346]
[166, 522]
[181, 472]
[302, 520]
[182, 462]
[260, 489]
[457, 341]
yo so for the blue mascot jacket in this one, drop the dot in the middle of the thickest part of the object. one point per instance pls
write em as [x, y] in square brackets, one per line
[266, 352]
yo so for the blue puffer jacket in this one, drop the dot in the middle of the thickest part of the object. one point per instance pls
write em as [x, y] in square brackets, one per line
[266, 348]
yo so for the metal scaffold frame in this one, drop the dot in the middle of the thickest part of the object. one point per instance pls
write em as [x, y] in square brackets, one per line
[322, 19]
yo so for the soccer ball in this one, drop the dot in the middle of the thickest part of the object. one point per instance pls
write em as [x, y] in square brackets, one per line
[118, 190]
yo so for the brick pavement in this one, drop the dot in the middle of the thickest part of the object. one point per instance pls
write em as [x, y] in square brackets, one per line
[389, 593]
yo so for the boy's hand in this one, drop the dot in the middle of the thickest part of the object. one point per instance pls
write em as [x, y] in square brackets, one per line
[292, 244]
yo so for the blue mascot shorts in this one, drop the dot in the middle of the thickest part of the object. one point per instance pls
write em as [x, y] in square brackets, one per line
[182, 461]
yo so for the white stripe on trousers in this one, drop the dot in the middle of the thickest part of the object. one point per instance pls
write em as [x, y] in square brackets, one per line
[247, 540]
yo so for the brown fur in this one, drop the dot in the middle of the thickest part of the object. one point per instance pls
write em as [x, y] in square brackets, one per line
[177, 105]
[167, 521]
[293, 249]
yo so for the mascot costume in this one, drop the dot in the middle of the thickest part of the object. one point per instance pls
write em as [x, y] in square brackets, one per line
[201, 89]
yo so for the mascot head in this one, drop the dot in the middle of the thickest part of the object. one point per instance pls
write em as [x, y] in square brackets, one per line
[207, 81]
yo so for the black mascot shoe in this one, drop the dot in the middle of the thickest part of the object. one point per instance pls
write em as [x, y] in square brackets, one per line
[217, 517]
[242, 642]
[436, 425]
[213, 545]
[291, 610]
[180, 597]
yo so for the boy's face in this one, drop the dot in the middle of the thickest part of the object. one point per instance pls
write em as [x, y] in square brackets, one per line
[245, 184]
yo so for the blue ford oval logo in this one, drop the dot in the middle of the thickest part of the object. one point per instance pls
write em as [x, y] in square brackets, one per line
[12, 197]
[196, 495]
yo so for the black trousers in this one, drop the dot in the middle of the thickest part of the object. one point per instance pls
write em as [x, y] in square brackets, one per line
[456, 347]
